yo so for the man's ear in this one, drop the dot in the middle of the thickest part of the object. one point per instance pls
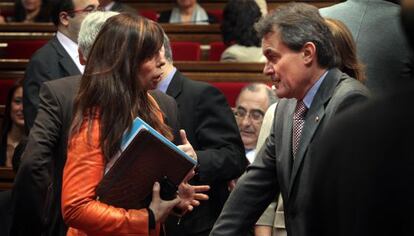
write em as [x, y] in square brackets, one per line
[63, 18]
[309, 52]
[82, 59]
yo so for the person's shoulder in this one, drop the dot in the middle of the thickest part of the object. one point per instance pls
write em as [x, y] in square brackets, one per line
[47, 52]
[65, 85]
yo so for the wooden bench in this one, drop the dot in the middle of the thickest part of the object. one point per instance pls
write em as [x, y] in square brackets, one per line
[162, 5]
[229, 77]
[203, 34]
[6, 178]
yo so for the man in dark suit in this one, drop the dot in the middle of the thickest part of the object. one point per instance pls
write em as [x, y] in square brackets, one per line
[302, 64]
[379, 38]
[212, 130]
[37, 188]
[109, 5]
[363, 182]
[59, 57]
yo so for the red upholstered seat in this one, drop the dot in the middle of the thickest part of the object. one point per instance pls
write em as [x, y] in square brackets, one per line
[217, 13]
[186, 51]
[149, 14]
[230, 90]
[216, 49]
[5, 85]
[22, 49]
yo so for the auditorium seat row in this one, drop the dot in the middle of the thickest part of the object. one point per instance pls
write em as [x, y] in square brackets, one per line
[227, 77]
[182, 51]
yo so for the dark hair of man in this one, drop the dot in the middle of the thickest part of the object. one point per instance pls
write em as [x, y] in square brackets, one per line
[20, 12]
[298, 24]
[59, 6]
[239, 17]
[7, 122]
[110, 87]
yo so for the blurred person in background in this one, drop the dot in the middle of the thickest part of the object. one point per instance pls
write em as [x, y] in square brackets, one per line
[237, 30]
[13, 124]
[109, 5]
[29, 11]
[187, 12]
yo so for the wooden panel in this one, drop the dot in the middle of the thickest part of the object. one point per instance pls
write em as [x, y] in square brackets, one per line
[203, 34]
[6, 178]
[208, 71]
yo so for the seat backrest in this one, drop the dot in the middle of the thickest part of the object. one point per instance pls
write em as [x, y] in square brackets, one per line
[186, 51]
[217, 13]
[216, 49]
[22, 49]
[149, 14]
[230, 90]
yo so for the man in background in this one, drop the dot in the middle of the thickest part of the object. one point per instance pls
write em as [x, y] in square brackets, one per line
[37, 186]
[212, 130]
[59, 57]
[251, 105]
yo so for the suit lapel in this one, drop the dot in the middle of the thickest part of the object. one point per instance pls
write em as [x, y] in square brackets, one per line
[286, 144]
[314, 118]
[175, 86]
[65, 61]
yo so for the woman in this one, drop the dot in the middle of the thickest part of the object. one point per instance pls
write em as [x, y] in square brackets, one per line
[237, 29]
[29, 11]
[124, 62]
[346, 48]
[188, 12]
[13, 125]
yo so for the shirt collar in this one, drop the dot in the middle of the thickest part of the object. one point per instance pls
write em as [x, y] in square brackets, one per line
[71, 48]
[312, 92]
[163, 84]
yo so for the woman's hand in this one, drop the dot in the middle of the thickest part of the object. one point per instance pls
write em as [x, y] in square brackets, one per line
[159, 207]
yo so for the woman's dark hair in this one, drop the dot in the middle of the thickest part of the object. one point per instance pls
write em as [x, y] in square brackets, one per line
[7, 122]
[20, 12]
[239, 17]
[110, 86]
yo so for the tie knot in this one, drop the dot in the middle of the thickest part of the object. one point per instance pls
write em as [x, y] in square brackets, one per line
[300, 110]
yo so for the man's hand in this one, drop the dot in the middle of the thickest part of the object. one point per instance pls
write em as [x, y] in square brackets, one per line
[186, 146]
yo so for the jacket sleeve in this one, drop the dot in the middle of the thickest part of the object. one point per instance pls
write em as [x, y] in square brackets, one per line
[32, 191]
[83, 171]
[220, 152]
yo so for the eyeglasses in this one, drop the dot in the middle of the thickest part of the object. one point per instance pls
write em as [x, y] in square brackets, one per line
[88, 9]
[254, 115]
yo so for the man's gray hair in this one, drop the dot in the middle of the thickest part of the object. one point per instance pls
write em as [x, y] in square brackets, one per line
[298, 24]
[90, 28]
[256, 87]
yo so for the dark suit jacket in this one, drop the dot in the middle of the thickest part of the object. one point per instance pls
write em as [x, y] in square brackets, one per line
[37, 187]
[273, 172]
[48, 63]
[380, 41]
[122, 7]
[363, 179]
[212, 130]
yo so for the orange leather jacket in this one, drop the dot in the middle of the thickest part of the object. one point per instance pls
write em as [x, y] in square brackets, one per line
[81, 211]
